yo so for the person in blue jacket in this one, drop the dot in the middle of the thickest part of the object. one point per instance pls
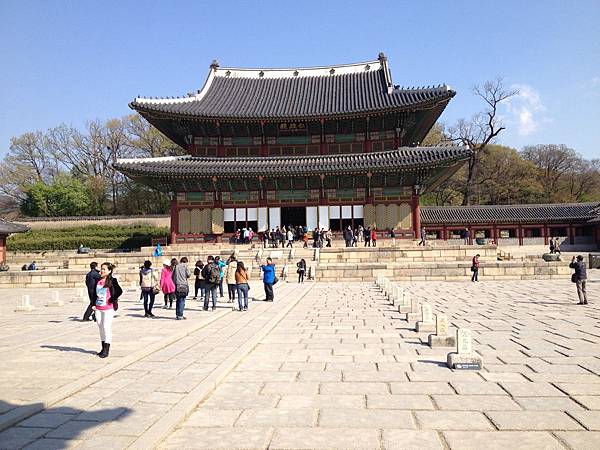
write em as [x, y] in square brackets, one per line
[221, 265]
[269, 279]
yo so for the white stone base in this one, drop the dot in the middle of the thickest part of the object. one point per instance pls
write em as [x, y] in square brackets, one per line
[55, 303]
[454, 358]
[441, 341]
[422, 327]
[24, 308]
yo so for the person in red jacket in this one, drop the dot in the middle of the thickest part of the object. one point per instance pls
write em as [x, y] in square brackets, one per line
[374, 237]
[475, 267]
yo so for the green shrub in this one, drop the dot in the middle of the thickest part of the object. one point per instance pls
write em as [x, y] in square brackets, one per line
[93, 236]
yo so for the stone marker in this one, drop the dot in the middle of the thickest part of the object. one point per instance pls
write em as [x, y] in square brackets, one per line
[464, 358]
[404, 306]
[414, 314]
[55, 299]
[441, 338]
[25, 305]
[426, 323]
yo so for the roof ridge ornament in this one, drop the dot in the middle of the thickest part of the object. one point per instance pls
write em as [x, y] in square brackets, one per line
[214, 65]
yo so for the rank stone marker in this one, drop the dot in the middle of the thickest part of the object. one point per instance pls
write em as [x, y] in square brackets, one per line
[25, 305]
[426, 323]
[405, 305]
[414, 314]
[464, 358]
[441, 338]
[55, 300]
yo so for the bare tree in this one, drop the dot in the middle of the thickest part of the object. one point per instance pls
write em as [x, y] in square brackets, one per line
[481, 130]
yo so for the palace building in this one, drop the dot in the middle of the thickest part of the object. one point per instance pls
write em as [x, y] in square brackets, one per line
[320, 147]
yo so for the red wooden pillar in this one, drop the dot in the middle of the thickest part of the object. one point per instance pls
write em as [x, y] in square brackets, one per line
[571, 231]
[444, 233]
[546, 232]
[174, 220]
[2, 249]
[520, 232]
[416, 212]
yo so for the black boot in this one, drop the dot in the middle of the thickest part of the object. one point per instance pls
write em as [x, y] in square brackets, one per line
[104, 353]
[101, 351]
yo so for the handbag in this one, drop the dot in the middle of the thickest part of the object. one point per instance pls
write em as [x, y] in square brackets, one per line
[275, 280]
[473, 268]
[182, 289]
[574, 278]
[156, 289]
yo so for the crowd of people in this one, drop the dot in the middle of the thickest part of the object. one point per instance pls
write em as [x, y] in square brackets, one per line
[173, 281]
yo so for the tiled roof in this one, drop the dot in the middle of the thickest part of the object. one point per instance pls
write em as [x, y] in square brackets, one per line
[410, 158]
[553, 212]
[296, 93]
[9, 227]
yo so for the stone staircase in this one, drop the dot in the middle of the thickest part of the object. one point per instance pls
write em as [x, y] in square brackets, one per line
[405, 262]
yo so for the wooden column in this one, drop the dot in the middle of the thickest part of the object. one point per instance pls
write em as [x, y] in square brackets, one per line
[174, 220]
[520, 232]
[2, 249]
[571, 231]
[416, 212]
[444, 233]
[546, 232]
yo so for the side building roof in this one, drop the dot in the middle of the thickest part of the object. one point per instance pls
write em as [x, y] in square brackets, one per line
[297, 93]
[10, 227]
[536, 213]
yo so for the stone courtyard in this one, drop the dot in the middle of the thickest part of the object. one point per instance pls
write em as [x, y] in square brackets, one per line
[327, 365]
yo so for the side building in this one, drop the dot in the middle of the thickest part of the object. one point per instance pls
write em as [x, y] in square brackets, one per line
[325, 147]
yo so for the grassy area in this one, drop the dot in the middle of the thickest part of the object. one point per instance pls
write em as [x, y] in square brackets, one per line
[93, 236]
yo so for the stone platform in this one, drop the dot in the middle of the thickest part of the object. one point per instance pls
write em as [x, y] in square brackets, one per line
[327, 365]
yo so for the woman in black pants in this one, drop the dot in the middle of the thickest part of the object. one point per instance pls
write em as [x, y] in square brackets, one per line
[301, 270]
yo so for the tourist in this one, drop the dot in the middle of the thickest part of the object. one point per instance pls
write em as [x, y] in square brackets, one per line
[212, 278]
[242, 286]
[475, 267]
[348, 238]
[149, 283]
[374, 237]
[221, 265]
[360, 233]
[230, 278]
[466, 236]
[90, 282]
[157, 251]
[305, 239]
[269, 279]
[166, 282]
[250, 235]
[423, 240]
[301, 270]
[579, 278]
[557, 246]
[106, 301]
[265, 238]
[181, 273]
[290, 238]
[237, 236]
[393, 237]
[245, 235]
[199, 281]
[32, 266]
[367, 236]
[552, 248]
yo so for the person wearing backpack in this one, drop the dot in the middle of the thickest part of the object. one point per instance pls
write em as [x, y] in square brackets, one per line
[230, 278]
[149, 283]
[199, 281]
[301, 270]
[269, 279]
[181, 273]
[212, 278]
[221, 265]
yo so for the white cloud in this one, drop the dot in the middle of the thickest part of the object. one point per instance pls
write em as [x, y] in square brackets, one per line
[525, 111]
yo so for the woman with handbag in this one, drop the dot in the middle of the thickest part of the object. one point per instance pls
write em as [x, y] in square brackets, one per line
[149, 283]
[241, 280]
[181, 273]
[166, 282]
[475, 267]
[301, 270]
[106, 301]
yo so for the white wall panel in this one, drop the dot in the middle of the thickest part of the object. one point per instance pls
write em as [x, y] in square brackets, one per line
[228, 214]
[240, 214]
[347, 212]
[252, 214]
[334, 212]
[324, 217]
[358, 211]
[263, 223]
[274, 217]
[311, 217]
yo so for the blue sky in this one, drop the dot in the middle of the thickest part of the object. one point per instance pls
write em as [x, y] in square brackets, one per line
[74, 61]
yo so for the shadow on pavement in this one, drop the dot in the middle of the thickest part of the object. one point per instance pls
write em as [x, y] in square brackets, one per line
[61, 348]
[52, 428]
